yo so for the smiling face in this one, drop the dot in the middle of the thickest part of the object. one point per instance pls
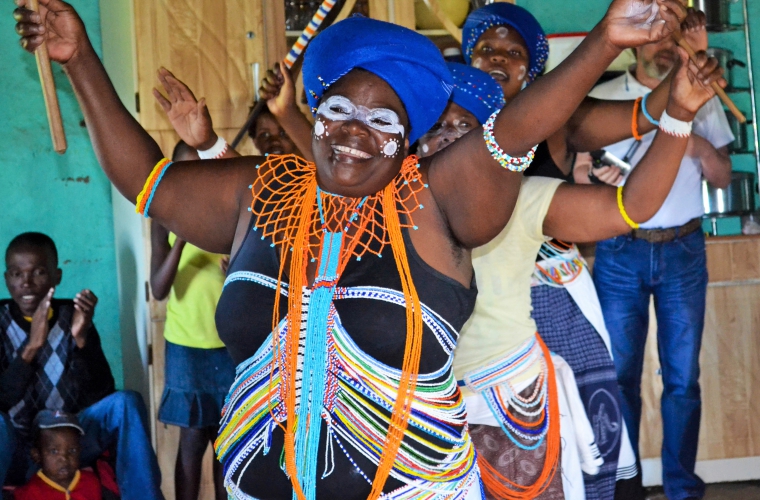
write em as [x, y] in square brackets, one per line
[359, 137]
[58, 454]
[270, 138]
[30, 273]
[502, 53]
[453, 124]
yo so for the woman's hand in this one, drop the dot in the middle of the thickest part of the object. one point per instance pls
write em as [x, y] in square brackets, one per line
[631, 23]
[56, 23]
[279, 90]
[189, 116]
[694, 29]
[692, 85]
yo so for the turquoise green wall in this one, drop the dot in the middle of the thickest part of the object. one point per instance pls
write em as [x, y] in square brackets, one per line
[66, 197]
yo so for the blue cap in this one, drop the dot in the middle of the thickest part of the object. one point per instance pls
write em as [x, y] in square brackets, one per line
[410, 63]
[507, 14]
[476, 91]
[53, 419]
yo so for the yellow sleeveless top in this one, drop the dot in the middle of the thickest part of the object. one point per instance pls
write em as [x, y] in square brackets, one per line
[193, 297]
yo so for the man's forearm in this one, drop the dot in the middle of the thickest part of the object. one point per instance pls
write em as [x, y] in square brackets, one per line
[716, 164]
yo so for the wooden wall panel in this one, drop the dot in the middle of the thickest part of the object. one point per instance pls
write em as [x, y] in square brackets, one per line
[730, 358]
[210, 45]
[400, 12]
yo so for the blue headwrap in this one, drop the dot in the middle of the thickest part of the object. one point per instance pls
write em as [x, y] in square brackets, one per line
[410, 63]
[507, 14]
[475, 90]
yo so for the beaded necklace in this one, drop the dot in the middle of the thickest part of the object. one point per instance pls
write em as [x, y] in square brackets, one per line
[493, 383]
[286, 200]
[561, 263]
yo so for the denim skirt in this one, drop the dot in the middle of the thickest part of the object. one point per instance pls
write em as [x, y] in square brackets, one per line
[196, 383]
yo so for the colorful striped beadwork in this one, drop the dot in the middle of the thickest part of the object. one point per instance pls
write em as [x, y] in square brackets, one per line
[145, 197]
[309, 32]
[513, 163]
[435, 460]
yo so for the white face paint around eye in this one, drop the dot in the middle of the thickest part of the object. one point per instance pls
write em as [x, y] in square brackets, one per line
[477, 63]
[340, 108]
[502, 32]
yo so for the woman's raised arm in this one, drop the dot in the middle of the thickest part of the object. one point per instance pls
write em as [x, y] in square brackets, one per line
[474, 193]
[584, 213]
[199, 202]
[598, 123]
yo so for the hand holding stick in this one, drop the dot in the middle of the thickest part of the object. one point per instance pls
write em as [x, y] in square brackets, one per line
[295, 55]
[48, 92]
[680, 40]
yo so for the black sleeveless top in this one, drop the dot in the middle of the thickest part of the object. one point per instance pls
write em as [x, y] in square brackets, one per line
[543, 165]
[378, 328]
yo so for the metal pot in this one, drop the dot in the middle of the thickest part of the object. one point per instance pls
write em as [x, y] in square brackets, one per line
[737, 199]
[726, 60]
[740, 133]
[716, 12]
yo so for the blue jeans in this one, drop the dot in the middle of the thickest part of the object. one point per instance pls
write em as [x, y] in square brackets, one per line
[120, 421]
[627, 272]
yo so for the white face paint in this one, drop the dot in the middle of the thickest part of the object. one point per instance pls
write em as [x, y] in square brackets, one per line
[390, 148]
[425, 148]
[319, 129]
[523, 72]
[477, 63]
[340, 108]
[502, 32]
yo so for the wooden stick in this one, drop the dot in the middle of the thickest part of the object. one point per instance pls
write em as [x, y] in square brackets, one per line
[435, 7]
[678, 37]
[325, 15]
[48, 92]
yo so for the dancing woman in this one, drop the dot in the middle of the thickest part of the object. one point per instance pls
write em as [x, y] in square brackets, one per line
[350, 277]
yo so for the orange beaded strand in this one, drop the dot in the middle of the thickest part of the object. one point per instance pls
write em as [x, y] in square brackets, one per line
[635, 119]
[282, 211]
[500, 486]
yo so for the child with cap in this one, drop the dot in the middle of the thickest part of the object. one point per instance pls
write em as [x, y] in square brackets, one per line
[56, 450]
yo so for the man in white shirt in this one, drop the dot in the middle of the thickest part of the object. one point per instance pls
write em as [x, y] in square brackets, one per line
[664, 258]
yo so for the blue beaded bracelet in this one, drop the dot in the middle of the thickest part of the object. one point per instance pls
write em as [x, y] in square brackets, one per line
[513, 163]
[646, 113]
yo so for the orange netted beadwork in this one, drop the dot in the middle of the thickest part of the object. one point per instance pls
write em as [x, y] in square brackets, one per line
[288, 207]
[281, 188]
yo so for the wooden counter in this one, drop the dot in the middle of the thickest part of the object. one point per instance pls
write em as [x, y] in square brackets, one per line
[730, 361]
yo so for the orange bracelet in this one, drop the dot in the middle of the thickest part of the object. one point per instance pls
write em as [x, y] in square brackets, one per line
[635, 119]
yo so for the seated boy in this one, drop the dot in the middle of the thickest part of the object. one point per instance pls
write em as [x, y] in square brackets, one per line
[55, 449]
[50, 357]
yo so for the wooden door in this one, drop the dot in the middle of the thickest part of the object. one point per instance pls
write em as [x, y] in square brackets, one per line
[214, 47]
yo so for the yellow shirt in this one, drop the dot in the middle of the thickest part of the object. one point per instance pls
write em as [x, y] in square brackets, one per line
[193, 297]
[503, 269]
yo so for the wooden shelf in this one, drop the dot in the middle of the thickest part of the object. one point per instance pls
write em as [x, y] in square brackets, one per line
[440, 32]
